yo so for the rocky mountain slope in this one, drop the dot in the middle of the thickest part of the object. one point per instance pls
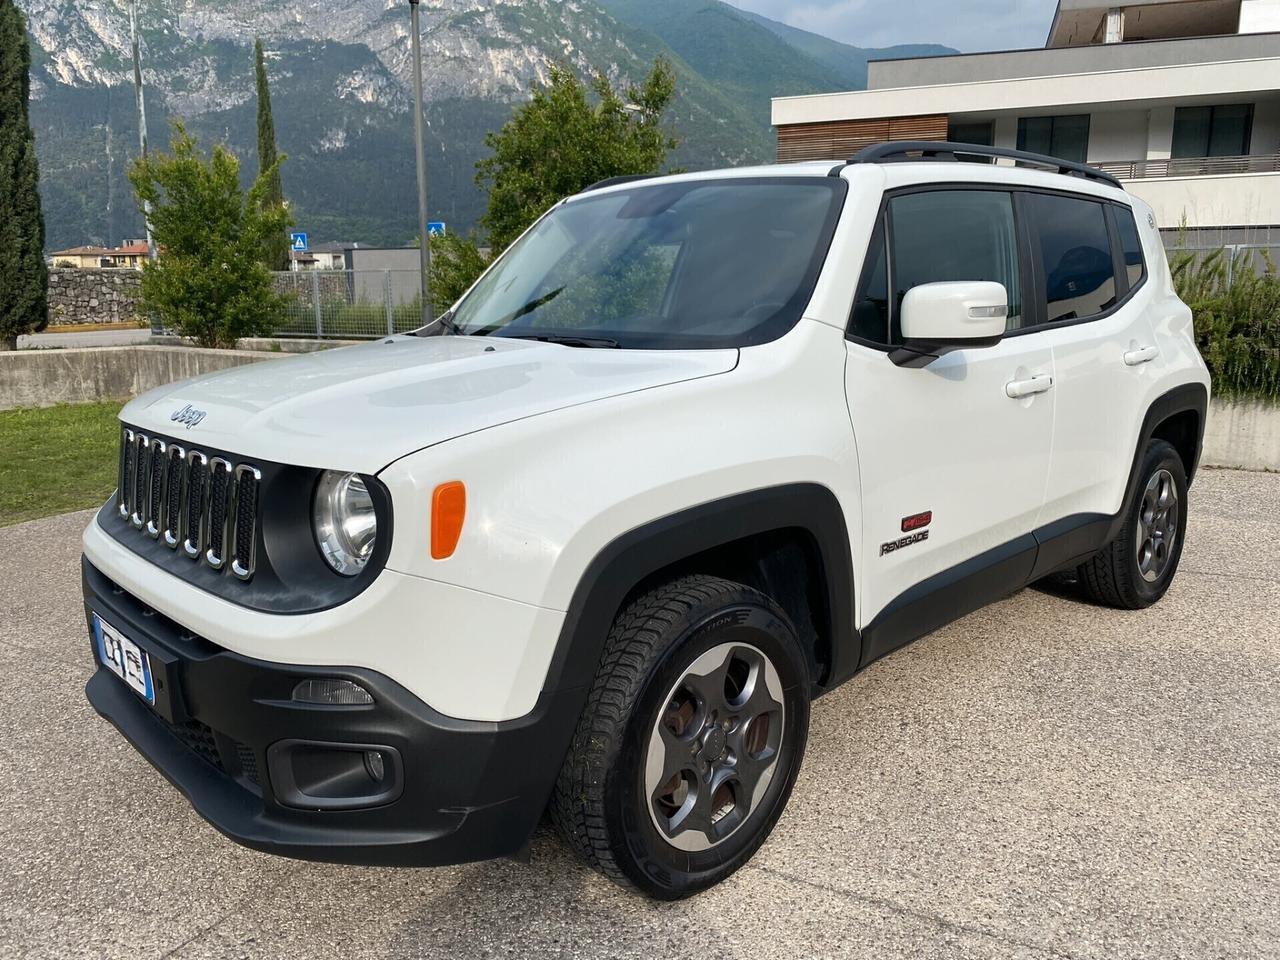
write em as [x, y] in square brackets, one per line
[340, 84]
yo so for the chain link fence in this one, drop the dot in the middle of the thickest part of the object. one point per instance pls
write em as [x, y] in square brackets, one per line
[349, 304]
[1236, 257]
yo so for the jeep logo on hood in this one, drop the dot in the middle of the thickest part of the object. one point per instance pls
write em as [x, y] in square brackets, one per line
[188, 415]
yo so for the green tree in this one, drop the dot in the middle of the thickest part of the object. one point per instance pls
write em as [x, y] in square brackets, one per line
[276, 252]
[564, 140]
[456, 262]
[23, 275]
[210, 282]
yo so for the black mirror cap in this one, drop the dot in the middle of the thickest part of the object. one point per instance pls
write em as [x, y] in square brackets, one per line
[915, 354]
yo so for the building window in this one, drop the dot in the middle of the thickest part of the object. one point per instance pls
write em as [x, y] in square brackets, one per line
[979, 132]
[1066, 138]
[1223, 131]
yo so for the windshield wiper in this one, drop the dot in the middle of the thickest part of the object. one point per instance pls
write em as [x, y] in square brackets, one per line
[524, 311]
[445, 321]
[568, 340]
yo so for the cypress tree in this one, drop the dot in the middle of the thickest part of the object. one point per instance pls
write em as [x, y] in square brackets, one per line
[23, 274]
[277, 253]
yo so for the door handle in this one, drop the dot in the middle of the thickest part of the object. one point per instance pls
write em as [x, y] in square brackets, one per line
[1017, 389]
[1141, 355]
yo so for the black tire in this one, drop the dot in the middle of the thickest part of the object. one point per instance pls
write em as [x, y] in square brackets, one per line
[1114, 576]
[601, 804]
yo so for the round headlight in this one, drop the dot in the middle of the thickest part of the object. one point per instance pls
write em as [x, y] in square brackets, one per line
[345, 523]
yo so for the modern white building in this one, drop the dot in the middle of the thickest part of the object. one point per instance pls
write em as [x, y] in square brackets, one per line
[1178, 98]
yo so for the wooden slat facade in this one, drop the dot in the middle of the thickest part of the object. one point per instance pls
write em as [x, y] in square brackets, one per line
[841, 139]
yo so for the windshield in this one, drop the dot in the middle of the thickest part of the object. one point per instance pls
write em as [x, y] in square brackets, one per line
[700, 264]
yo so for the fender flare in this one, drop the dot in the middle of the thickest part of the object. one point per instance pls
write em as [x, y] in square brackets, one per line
[1192, 397]
[626, 561]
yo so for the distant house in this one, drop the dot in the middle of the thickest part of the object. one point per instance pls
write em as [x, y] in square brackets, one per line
[1180, 99]
[130, 256]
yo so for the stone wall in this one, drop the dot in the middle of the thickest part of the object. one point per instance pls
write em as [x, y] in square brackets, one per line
[93, 296]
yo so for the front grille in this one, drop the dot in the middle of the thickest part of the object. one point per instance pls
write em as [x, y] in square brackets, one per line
[248, 763]
[207, 506]
[199, 739]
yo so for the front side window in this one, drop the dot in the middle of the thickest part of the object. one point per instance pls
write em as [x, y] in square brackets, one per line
[1066, 138]
[699, 264]
[1223, 131]
[953, 235]
[1075, 256]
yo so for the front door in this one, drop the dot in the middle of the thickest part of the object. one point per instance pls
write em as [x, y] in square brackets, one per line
[953, 468]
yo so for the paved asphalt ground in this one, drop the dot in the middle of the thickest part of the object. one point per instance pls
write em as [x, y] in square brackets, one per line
[1043, 779]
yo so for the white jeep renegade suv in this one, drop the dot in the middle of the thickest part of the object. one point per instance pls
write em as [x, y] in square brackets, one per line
[695, 450]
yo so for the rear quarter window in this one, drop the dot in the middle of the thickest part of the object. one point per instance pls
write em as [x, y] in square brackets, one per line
[1130, 245]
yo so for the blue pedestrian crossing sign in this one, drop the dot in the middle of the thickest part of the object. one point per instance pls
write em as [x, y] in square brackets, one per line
[298, 242]
[435, 228]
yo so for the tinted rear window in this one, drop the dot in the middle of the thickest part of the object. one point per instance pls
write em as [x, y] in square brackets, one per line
[1075, 255]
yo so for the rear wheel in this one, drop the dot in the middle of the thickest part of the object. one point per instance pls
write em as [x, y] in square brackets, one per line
[1135, 569]
[691, 740]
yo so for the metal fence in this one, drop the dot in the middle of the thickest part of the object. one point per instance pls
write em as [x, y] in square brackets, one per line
[349, 304]
[1236, 257]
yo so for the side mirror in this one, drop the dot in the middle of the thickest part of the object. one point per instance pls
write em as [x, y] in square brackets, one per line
[940, 317]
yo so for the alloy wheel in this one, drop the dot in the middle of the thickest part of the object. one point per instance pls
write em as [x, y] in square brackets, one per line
[714, 746]
[1157, 525]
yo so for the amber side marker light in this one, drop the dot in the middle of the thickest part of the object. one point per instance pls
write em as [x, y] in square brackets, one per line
[448, 510]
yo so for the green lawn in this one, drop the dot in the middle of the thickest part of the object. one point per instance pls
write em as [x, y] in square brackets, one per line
[57, 459]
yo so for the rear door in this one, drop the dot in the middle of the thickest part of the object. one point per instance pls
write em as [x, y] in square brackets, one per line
[953, 470]
[1092, 270]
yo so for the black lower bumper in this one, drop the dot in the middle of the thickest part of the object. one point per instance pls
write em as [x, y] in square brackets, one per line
[464, 790]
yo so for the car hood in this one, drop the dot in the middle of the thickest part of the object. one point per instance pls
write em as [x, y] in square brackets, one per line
[360, 408]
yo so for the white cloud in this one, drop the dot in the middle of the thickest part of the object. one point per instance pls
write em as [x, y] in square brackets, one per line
[967, 25]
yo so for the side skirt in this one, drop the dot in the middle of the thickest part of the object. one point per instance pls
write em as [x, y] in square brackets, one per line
[988, 577]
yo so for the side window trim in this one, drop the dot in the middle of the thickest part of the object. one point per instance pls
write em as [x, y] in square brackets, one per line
[1034, 297]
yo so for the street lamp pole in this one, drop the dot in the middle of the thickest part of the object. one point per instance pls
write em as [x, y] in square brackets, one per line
[419, 135]
[142, 116]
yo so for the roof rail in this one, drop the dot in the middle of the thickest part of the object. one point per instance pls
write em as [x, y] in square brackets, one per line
[614, 181]
[899, 150]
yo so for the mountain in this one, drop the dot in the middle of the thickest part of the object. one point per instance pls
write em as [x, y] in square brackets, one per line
[844, 60]
[340, 75]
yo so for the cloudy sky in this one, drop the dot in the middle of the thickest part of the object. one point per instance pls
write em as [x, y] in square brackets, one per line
[967, 25]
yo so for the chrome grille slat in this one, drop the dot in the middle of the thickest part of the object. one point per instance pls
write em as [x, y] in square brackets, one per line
[208, 506]
[220, 492]
[158, 456]
[141, 471]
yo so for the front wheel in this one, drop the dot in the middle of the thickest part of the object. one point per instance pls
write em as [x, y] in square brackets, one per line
[1135, 569]
[691, 739]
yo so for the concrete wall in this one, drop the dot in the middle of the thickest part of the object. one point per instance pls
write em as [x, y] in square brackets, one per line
[93, 296]
[1117, 135]
[42, 378]
[1242, 199]
[1059, 61]
[1259, 16]
[1245, 435]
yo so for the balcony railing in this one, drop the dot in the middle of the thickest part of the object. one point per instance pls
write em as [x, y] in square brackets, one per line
[1191, 166]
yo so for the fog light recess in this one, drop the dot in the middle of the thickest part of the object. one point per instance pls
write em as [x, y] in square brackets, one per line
[336, 693]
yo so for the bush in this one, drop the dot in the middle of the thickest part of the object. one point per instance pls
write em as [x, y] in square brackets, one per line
[210, 282]
[1237, 319]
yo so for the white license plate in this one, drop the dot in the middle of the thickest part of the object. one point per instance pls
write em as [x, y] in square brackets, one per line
[124, 658]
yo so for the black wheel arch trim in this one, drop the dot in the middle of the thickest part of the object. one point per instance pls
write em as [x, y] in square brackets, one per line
[1189, 397]
[632, 557]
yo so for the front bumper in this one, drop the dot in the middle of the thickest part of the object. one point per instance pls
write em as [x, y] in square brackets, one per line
[465, 790]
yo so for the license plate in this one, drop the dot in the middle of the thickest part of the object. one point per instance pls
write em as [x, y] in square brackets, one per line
[124, 658]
